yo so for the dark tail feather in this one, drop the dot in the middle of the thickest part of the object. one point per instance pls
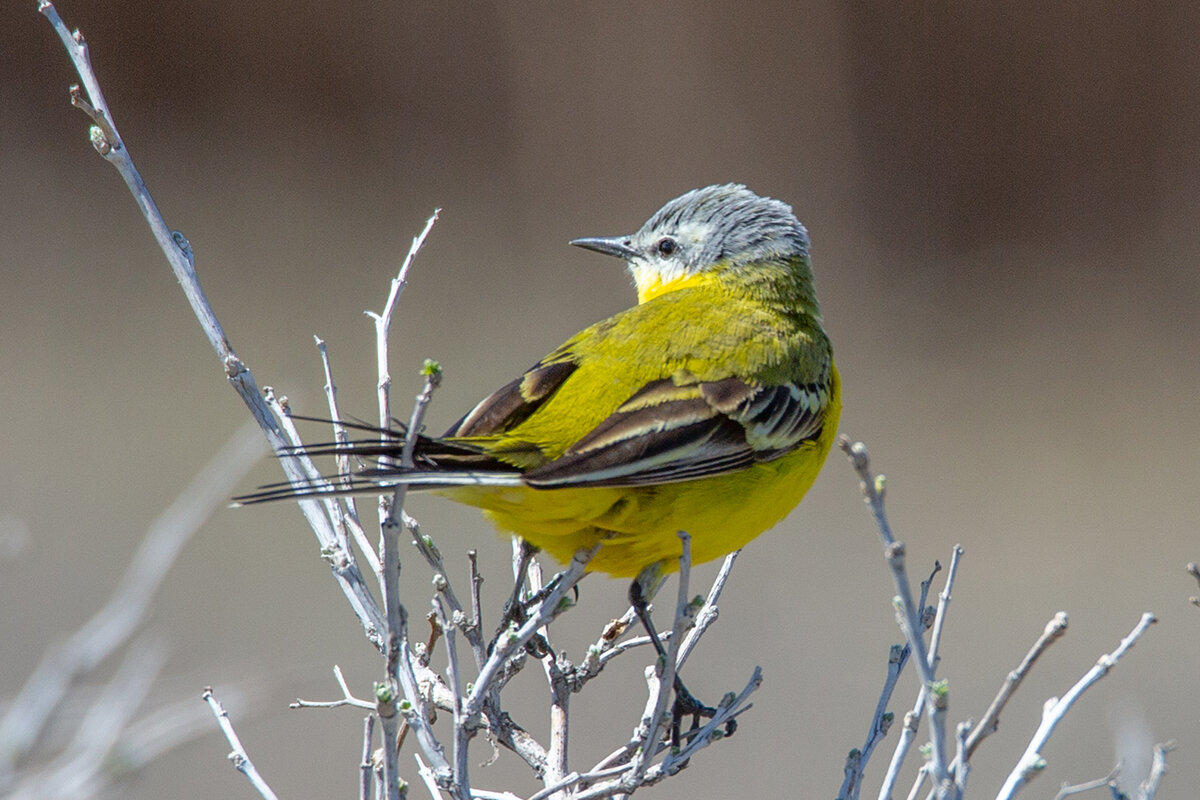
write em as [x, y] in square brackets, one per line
[428, 452]
[288, 491]
[376, 480]
[437, 463]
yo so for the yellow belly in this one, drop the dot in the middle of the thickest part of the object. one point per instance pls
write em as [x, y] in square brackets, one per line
[637, 527]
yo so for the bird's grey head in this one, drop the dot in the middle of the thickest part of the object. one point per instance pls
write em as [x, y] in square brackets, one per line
[706, 230]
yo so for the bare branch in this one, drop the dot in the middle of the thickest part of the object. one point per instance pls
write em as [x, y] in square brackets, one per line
[1066, 790]
[1148, 789]
[348, 698]
[241, 761]
[516, 638]
[1054, 630]
[560, 695]
[651, 728]
[476, 621]
[1031, 762]
[174, 245]
[454, 672]
[882, 722]
[343, 466]
[939, 620]
[428, 550]
[708, 613]
[383, 323]
[400, 670]
[366, 767]
[431, 782]
[964, 764]
[909, 615]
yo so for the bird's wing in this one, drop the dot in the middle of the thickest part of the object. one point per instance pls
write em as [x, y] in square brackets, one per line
[674, 430]
[511, 404]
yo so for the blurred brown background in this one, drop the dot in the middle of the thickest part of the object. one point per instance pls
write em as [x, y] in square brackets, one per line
[1002, 200]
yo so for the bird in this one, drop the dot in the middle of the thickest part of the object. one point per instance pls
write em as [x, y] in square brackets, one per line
[709, 407]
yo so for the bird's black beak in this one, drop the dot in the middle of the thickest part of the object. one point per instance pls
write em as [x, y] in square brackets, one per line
[618, 246]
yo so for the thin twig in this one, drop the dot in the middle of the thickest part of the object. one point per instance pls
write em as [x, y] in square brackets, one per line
[939, 690]
[881, 723]
[661, 689]
[919, 781]
[340, 435]
[476, 621]
[383, 323]
[728, 710]
[882, 719]
[178, 252]
[964, 769]
[366, 766]
[427, 775]
[348, 698]
[623, 646]
[708, 613]
[908, 733]
[1053, 631]
[342, 460]
[560, 695]
[241, 761]
[939, 620]
[1031, 762]
[453, 671]
[428, 550]
[1158, 767]
[1066, 790]
[147, 739]
[912, 718]
[400, 671]
[909, 615]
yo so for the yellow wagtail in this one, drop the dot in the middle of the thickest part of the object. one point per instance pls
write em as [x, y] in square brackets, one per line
[709, 407]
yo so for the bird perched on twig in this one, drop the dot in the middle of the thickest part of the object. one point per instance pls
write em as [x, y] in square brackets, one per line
[709, 407]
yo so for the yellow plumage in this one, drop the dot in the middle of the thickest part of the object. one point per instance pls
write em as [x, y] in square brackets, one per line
[709, 407]
[639, 526]
[664, 338]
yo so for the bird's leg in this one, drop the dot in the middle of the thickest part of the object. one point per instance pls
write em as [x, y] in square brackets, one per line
[686, 703]
[516, 610]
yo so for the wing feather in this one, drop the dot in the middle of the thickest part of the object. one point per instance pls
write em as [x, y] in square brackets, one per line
[511, 404]
[678, 429]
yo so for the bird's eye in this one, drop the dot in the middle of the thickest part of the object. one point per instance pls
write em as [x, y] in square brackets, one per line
[666, 246]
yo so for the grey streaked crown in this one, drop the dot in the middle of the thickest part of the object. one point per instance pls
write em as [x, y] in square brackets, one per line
[739, 225]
